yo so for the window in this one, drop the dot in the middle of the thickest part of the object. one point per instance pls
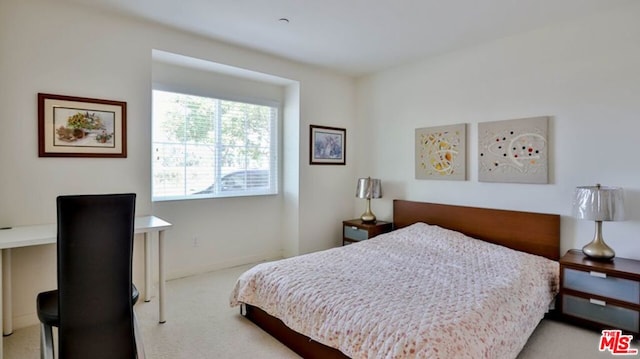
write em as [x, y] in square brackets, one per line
[209, 147]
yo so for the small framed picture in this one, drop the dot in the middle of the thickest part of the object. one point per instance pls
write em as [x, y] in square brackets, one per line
[81, 127]
[327, 145]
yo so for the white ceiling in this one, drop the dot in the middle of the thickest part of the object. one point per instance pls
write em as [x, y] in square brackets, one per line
[356, 36]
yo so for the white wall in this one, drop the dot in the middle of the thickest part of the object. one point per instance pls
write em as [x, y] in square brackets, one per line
[67, 49]
[584, 74]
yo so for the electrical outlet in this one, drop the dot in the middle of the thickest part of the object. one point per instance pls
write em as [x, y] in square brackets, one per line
[195, 242]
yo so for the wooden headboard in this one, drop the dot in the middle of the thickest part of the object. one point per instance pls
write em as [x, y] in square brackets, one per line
[529, 232]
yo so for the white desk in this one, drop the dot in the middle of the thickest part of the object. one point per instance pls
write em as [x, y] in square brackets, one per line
[25, 236]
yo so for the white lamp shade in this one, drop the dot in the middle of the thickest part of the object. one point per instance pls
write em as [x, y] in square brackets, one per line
[369, 188]
[599, 203]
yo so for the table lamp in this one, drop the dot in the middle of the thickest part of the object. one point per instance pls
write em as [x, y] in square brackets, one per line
[369, 188]
[598, 203]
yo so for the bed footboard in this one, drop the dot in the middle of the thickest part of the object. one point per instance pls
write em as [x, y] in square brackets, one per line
[302, 345]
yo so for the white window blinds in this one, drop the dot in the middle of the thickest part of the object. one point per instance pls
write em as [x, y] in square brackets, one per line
[209, 147]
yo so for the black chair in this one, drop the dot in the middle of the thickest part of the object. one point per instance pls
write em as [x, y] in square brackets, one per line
[93, 305]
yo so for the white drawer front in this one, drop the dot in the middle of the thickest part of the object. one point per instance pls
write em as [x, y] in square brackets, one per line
[600, 284]
[616, 317]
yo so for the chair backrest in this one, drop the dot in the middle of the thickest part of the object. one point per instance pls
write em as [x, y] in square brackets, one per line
[95, 245]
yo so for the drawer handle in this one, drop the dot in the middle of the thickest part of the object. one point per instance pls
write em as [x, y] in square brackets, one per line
[598, 274]
[601, 303]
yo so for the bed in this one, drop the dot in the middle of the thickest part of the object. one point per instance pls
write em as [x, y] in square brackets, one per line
[449, 281]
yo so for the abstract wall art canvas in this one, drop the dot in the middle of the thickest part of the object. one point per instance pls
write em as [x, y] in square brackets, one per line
[441, 152]
[514, 151]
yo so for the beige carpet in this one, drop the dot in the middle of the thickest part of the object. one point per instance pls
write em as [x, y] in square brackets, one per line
[200, 324]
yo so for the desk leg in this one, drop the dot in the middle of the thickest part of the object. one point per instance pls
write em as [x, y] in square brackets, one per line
[7, 304]
[1, 287]
[161, 279]
[147, 267]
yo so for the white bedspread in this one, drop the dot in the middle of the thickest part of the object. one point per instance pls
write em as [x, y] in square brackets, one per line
[418, 292]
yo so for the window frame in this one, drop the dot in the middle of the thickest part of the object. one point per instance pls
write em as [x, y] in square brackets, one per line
[274, 143]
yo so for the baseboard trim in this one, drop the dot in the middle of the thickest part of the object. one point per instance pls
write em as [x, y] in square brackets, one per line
[225, 264]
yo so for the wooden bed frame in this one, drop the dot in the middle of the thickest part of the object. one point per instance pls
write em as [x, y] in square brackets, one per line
[529, 232]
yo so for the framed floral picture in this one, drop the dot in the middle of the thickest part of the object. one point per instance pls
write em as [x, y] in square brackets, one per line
[81, 127]
[327, 145]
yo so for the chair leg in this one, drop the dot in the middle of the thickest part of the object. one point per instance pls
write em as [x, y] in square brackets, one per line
[46, 342]
[138, 336]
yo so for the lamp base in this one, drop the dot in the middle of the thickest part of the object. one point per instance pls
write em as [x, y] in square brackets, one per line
[368, 216]
[597, 249]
